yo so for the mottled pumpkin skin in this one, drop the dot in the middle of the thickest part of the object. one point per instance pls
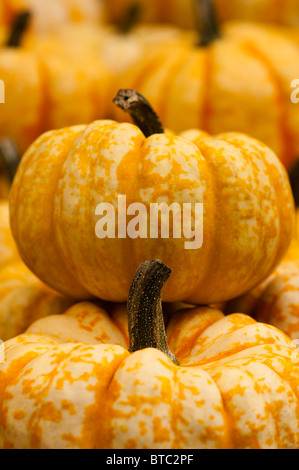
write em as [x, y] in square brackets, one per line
[276, 300]
[213, 88]
[23, 297]
[69, 382]
[181, 12]
[247, 221]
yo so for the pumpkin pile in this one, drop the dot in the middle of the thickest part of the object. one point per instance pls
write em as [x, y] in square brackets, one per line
[149, 250]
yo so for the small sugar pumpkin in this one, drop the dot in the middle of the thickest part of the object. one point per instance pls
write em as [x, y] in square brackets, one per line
[236, 78]
[76, 381]
[248, 209]
[48, 84]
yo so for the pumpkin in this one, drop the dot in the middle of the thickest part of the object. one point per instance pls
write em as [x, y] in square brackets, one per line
[53, 15]
[44, 86]
[117, 48]
[237, 79]
[23, 297]
[75, 381]
[248, 211]
[181, 12]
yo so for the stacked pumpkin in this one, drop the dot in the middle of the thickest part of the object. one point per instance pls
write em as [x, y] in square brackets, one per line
[120, 369]
[209, 84]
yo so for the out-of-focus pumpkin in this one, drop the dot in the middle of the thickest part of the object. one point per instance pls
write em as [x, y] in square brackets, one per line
[122, 51]
[118, 48]
[181, 12]
[248, 210]
[238, 81]
[23, 297]
[70, 381]
[50, 85]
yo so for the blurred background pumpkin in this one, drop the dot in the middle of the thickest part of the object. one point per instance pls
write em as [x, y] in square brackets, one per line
[48, 84]
[234, 78]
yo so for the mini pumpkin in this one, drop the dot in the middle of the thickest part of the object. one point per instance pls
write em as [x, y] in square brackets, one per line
[236, 78]
[74, 382]
[248, 211]
[45, 83]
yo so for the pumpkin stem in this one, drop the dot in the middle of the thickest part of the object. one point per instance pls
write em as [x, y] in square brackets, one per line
[130, 19]
[140, 111]
[294, 181]
[18, 29]
[208, 25]
[145, 316]
[9, 158]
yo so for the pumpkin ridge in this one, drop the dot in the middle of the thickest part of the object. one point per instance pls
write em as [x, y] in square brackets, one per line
[233, 427]
[232, 349]
[54, 204]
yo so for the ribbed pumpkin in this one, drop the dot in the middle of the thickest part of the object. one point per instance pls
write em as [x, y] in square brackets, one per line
[49, 85]
[70, 381]
[248, 208]
[23, 297]
[181, 12]
[239, 81]
[118, 48]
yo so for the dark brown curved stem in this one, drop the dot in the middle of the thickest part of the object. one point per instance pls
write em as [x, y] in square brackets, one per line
[18, 29]
[140, 111]
[130, 19]
[208, 25]
[294, 181]
[9, 158]
[145, 316]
